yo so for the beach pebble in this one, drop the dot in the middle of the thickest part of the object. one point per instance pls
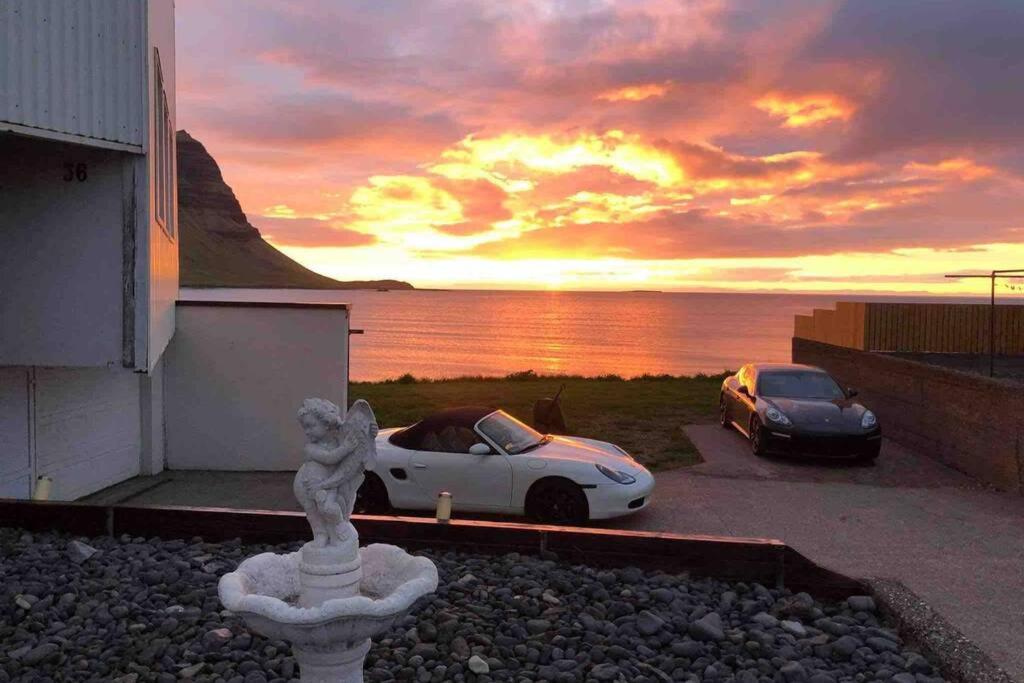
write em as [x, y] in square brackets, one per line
[478, 665]
[861, 603]
[146, 609]
[80, 552]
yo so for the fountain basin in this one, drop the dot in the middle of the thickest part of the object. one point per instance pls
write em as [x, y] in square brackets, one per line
[331, 639]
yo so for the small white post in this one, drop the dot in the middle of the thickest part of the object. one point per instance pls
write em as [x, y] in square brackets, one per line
[444, 507]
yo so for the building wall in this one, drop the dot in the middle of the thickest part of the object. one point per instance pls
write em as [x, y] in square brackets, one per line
[235, 376]
[15, 440]
[73, 69]
[151, 409]
[969, 422]
[61, 259]
[88, 274]
[53, 42]
[160, 258]
[87, 428]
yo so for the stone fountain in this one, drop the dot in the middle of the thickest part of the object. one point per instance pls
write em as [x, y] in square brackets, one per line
[329, 598]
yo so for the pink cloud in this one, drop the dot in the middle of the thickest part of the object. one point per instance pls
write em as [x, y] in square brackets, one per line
[308, 232]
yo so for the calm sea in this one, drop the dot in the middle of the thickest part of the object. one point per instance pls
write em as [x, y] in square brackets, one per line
[460, 332]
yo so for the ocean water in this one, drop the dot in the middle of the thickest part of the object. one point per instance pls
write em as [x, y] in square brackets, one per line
[432, 333]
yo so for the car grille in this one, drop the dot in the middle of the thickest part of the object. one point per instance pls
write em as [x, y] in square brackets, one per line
[835, 446]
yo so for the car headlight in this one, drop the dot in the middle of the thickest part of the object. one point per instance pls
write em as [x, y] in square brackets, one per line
[615, 475]
[777, 416]
[869, 420]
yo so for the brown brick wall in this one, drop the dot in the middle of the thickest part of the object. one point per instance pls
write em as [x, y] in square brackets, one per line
[970, 422]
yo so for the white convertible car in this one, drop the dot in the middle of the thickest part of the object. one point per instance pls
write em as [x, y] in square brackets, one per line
[491, 462]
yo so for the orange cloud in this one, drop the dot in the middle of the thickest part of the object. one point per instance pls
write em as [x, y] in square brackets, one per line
[520, 155]
[960, 167]
[634, 93]
[805, 110]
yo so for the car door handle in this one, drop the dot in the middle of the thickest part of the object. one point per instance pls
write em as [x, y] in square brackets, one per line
[419, 466]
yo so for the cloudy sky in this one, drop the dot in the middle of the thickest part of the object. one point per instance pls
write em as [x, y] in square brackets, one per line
[785, 144]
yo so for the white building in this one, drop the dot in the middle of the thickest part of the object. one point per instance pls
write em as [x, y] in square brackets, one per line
[88, 256]
[89, 251]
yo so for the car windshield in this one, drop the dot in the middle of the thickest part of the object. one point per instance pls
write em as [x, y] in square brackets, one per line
[509, 433]
[799, 384]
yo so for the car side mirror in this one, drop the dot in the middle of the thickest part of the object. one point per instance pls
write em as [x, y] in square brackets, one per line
[480, 449]
[851, 392]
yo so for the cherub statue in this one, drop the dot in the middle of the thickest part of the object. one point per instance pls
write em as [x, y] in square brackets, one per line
[336, 454]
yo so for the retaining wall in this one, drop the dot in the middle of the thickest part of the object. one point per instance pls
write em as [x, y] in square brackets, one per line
[972, 423]
[766, 561]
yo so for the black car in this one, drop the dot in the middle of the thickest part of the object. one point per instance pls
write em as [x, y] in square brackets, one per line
[798, 409]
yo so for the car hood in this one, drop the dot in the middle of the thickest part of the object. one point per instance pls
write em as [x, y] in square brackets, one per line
[578, 449]
[821, 415]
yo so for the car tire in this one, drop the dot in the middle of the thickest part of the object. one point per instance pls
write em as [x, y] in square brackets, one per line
[723, 413]
[557, 501]
[758, 443]
[372, 497]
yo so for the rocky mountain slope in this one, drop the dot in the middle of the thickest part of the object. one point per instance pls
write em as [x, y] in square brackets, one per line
[220, 248]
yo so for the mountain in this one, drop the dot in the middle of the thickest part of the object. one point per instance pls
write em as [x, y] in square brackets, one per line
[220, 248]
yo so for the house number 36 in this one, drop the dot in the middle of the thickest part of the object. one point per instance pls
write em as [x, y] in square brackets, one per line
[79, 172]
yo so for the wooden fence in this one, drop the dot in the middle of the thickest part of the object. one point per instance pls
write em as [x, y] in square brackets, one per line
[920, 328]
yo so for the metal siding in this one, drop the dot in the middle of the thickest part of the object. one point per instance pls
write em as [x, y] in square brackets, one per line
[87, 428]
[76, 68]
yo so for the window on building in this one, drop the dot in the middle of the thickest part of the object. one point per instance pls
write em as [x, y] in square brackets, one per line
[163, 151]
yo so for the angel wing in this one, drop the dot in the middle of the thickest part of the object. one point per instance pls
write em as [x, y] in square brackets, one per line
[361, 420]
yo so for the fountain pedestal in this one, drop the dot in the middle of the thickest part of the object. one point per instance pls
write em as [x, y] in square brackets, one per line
[329, 572]
[333, 665]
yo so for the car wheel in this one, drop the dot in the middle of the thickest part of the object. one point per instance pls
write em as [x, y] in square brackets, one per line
[723, 412]
[758, 442]
[372, 496]
[557, 501]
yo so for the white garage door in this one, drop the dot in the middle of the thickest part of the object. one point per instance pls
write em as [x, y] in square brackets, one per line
[87, 428]
[15, 462]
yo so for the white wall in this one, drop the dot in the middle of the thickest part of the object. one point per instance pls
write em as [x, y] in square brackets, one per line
[151, 407]
[15, 460]
[158, 255]
[60, 254]
[87, 428]
[236, 374]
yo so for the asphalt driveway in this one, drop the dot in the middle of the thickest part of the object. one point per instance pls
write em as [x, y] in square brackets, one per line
[957, 545]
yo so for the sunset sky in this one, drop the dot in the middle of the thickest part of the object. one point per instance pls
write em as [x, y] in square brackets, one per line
[715, 144]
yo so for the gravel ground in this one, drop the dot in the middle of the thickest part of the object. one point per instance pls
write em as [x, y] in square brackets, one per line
[134, 609]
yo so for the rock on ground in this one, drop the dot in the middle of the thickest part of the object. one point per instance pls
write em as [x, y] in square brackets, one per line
[143, 610]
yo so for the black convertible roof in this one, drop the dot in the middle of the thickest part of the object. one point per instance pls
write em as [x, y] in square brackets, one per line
[464, 416]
